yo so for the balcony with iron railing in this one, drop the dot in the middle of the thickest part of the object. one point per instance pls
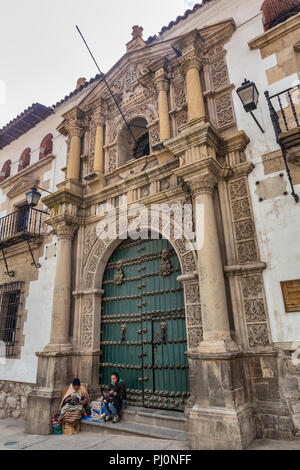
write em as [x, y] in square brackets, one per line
[285, 115]
[24, 224]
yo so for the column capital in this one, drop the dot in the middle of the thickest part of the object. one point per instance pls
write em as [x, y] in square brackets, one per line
[190, 59]
[203, 184]
[65, 232]
[161, 80]
[75, 129]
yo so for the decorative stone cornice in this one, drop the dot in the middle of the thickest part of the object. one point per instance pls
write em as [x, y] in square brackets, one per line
[193, 135]
[236, 142]
[279, 31]
[238, 270]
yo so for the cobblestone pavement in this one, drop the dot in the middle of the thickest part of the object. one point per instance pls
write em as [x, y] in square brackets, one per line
[12, 432]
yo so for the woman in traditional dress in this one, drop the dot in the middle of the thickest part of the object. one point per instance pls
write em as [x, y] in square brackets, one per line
[115, 400]
[74, 405]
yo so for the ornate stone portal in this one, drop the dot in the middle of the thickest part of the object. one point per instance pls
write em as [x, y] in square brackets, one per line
[191, 161]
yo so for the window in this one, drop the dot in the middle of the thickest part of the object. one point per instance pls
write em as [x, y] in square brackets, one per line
[5, 171]
[24, 159]
[9, 305]
[46, 146]
[129, 148]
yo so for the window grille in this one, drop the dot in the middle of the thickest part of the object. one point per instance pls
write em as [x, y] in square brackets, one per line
[10, 295]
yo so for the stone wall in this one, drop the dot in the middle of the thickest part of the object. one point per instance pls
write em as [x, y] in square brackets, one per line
[13, 399]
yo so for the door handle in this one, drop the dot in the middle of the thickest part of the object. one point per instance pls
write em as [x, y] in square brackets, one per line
[123, 332]
[163, 332]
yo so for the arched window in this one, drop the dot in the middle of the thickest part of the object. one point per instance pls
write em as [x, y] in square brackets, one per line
[24, 159]
[5, 171]
[46, 146]
[129, 148]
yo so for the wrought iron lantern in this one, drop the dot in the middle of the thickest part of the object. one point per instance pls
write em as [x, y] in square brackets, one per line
[33, 197]
[248, 94]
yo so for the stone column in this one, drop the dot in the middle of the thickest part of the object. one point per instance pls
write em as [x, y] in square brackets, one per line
[192, 64]
[59, 338]
[216, 329]
[73, 168]
[162, 86]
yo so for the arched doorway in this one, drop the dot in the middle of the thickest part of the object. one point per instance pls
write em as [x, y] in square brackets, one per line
[143, 330]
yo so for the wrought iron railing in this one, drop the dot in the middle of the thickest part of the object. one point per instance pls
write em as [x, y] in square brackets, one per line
[26, 220]
[283, 111]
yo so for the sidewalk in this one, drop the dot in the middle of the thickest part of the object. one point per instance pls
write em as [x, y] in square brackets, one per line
[12, 431]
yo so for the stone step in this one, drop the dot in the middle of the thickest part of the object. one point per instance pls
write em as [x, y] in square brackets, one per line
[134, 429]
[159, 418]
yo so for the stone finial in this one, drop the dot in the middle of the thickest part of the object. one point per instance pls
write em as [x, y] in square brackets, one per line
[137, 41]
[80, 82]
[137, 32]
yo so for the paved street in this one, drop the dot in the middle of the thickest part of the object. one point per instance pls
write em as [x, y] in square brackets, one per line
[12, 431]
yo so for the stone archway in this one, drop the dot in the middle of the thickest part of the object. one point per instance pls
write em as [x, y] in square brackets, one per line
[90, 298]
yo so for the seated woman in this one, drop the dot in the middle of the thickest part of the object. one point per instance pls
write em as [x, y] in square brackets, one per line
[74, 405]
[115, 400]
[76, 389]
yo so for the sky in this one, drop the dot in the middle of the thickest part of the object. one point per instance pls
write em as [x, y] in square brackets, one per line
[42, 54]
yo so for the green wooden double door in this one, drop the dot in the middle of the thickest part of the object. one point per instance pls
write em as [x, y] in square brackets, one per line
[143, 332]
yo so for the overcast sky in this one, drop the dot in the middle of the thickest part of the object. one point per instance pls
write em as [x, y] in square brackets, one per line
[42, 55]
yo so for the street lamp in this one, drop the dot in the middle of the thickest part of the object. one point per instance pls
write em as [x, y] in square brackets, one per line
[33, 196]
[249, 95]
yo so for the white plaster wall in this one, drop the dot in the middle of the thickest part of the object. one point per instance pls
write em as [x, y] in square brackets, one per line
[40, 297]
[37, 326]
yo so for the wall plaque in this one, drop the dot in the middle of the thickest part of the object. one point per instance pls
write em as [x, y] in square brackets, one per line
[291, 295]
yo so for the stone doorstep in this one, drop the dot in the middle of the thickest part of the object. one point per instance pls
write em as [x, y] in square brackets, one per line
[135, 429]
[159, 418]
[158, 424]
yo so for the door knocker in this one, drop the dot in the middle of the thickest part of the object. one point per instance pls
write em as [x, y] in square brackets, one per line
[165, 267]
[161, 335]
[123, 332]
[119, 276]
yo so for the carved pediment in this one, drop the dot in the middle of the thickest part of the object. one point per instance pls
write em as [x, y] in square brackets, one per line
[22, 185]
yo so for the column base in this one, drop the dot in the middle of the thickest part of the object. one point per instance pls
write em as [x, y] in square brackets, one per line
[222, 416]
[220, 428]
[218, 346]
[41, 406]
[59, 348]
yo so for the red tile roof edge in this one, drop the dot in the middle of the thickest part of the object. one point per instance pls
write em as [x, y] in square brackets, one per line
[178, 19]
[24, 113]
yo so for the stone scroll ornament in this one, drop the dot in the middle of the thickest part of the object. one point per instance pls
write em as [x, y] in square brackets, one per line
[165, 267]
[119, 275]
